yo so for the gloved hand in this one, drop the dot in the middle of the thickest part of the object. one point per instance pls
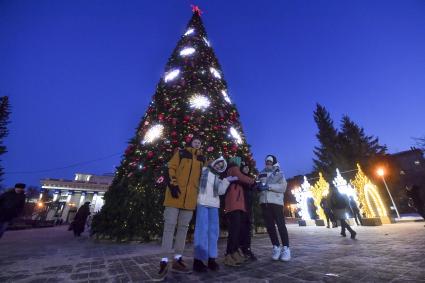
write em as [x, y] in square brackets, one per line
[232, 178]
[262, 187]
[174, 190]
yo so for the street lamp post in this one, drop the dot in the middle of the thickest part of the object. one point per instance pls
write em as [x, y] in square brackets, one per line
[381, 173]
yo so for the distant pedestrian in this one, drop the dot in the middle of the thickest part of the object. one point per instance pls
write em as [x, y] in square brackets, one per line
[356, 211]
[272, 186]
[339, 204]
[80, 219]
[416, 196]
[312, 209]
[328, 212]
[11, 205]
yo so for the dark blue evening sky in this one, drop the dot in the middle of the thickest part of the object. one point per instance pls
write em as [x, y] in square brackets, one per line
[80, 74]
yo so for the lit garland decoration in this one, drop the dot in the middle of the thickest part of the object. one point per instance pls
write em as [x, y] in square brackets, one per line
[343, 186]
[369, 198]
[187, 51]
[171, 75]
[320, 190]
[234, 133]
[153, 133]
[189, 31]
[301, 195]
[226, 97]
[215, 73]
[199, 102]
[206, 42]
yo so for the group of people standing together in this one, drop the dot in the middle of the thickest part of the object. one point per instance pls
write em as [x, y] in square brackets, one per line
[195, 184]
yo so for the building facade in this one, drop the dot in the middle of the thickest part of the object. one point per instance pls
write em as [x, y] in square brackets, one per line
[69, 195]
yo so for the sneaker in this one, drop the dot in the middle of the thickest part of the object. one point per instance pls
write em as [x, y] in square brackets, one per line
[285, 254]
[353, 235]
[162, 273]
[213, 265]
[276, 253]
[199, 266]
[230, 261]
[179, 266]
[343, 234]
[237, 257]
[242, 255]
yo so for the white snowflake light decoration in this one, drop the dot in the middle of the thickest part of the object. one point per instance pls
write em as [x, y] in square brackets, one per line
[302, 194]
[189, 31]
[234, 133]
[206, 42]
[171, 75]
[153, 133]
[187, 51]
[226, 97]
[199, 102]
[343, 186]
[215, 73]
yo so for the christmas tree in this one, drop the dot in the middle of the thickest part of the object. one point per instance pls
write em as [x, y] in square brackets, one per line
[191, 99]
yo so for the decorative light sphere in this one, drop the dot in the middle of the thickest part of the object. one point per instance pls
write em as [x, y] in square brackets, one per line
[171, 75]
[236, 135]
[199, 102]
[153, 133]
[226, 97]
[187, 51]
[206, 42]
[215, 73]
[189, 31]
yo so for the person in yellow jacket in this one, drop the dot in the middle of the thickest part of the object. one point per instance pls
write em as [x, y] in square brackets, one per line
[180, 201]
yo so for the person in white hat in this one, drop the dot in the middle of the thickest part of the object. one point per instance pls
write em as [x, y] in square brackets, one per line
[271, 187]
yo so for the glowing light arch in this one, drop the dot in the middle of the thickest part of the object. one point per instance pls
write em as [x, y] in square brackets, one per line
[368, 195]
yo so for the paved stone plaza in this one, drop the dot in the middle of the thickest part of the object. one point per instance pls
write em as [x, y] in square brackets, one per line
[390, 253]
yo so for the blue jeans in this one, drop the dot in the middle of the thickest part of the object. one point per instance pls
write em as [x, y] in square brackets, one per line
[206, 232]
[3, 227]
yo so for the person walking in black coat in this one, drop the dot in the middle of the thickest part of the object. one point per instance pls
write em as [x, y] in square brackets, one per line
[339, 204]
[80, 219]
[356, 211]
[11, 205]
[328, 212]
[416, 196]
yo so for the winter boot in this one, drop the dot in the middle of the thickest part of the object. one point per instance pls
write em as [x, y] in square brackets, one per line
[230, 261]
[199, 266]
[213, 265]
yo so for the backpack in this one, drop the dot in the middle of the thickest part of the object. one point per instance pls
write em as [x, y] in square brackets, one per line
[338, 200]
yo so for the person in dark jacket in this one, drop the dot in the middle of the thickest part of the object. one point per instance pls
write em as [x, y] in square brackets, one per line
[339, 204]
[247, 222]
[328, 212]
[11, 205]
[312, 209]
[416, 198]
[356, 211]
[80, 219]
[235, 210]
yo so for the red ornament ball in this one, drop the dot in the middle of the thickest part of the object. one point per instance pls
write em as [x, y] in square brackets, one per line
[150, 154]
